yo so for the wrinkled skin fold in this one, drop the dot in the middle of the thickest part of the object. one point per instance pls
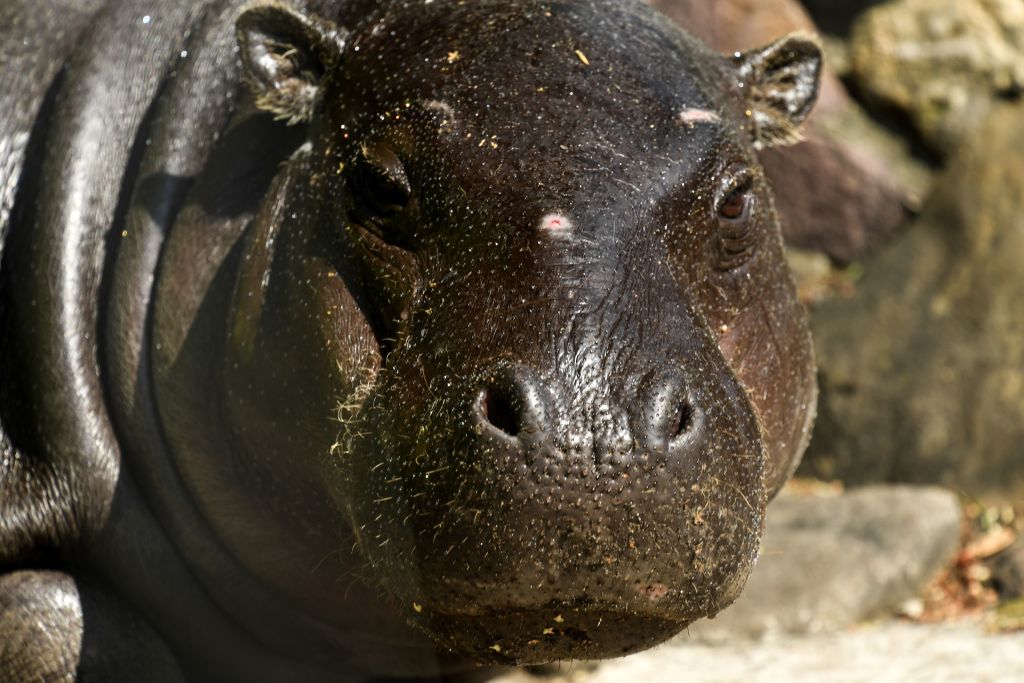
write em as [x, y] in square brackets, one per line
[415, 336]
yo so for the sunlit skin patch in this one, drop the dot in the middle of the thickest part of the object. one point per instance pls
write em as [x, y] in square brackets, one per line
[689, 117]
[556, 225]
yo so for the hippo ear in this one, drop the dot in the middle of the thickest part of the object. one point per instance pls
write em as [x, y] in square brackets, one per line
[781, 83]
[285, 54]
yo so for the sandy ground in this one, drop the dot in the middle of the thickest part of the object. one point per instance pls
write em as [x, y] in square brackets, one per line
[880, 653]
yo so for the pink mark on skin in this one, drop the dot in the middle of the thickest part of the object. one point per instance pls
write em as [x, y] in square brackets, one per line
[691, 116]
[654, 591]
[556, 224]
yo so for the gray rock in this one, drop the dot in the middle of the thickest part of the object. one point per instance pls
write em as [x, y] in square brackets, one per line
[943, 62]
[922, 372]
[827, 563]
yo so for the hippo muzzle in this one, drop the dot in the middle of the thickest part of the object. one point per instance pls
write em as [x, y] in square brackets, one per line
[536, 497]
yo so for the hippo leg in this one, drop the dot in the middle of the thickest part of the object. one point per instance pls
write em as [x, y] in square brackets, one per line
[56, 628]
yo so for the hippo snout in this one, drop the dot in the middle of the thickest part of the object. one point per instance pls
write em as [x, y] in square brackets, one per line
[656, 419]
[568, 487]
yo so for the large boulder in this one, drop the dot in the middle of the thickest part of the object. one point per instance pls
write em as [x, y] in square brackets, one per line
[922, 372]
[943, 62]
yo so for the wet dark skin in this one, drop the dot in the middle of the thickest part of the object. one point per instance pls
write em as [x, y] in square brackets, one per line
[460, 335]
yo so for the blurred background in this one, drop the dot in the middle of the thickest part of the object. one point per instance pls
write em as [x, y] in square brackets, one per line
[897, 554]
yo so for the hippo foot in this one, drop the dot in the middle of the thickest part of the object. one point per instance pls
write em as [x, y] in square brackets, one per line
[43, 637]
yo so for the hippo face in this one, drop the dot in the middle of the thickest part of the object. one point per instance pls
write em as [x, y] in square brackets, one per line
[570, 369]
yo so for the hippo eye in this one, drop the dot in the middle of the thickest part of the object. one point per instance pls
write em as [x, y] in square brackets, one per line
[737, 233]
[380, 188]
[734, 198]
[736, 205]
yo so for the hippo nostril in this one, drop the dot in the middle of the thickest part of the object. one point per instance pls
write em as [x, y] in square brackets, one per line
[511, 403]
[499, 412]
[671, 417]
[682, 420]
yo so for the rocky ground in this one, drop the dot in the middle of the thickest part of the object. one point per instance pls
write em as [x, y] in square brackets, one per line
[876, 653]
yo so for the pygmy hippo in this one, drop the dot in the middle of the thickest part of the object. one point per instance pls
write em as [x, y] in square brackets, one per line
[347, 340]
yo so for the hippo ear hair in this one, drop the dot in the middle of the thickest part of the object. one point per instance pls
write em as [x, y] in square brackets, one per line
[285, 54]
[781, 82]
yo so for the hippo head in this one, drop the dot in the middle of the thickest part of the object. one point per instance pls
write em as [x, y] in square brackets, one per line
[541, 285]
